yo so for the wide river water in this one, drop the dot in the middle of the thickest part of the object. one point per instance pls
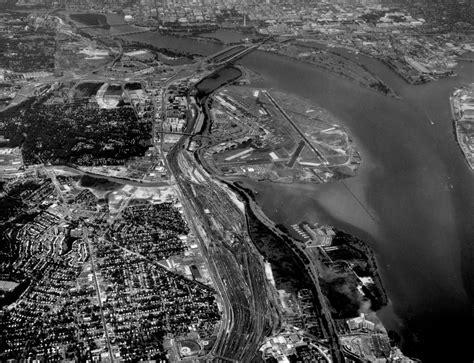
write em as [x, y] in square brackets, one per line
[412, 199]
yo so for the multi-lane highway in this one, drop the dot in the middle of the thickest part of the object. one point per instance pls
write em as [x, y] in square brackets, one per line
[249, 312]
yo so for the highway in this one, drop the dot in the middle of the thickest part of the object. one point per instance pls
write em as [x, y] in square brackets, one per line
[213, 56]
[97, 26]
[97, 288]
[249, 308]
[114, 179]
[215, 60]
[234, 57]
[313, 270]
[249, 312]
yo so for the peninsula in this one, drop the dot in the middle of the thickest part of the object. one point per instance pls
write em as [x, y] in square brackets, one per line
[462, 108]
[126, 234]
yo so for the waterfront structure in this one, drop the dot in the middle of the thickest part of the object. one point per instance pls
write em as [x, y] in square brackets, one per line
[462, 108]
[148, 247]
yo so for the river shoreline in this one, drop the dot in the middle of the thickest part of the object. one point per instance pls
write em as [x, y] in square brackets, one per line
[401, 202]
[312, 265]
[379, 87]
[252, 204]
[399, 147]
[410, 159]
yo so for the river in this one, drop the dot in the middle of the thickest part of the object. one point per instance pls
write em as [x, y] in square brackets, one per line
[228, 36]
[412, 200]
[173, 43]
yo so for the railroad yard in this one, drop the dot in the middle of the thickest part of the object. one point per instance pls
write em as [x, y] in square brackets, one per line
[123, 237]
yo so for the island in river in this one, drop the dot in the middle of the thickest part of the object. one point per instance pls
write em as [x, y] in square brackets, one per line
[272, 136]
[411, 199]
[249, 133]
[409, 165]
[422, 243]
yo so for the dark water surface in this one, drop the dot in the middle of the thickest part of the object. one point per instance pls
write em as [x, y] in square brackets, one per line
[229, 36]
[99, 184]
[217, 80]
[176, 44]
[413, 199]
